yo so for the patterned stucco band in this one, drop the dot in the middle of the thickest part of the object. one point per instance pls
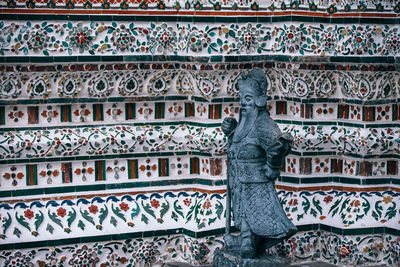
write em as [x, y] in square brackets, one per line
[201, 82]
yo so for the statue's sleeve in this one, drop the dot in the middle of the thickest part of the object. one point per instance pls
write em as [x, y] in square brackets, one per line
[275, 143]
[279, 150]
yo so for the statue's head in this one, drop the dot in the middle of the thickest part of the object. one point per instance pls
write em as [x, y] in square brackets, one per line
[253, 90]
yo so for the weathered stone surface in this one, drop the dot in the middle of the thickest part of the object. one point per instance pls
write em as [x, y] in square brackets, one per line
[233, 259]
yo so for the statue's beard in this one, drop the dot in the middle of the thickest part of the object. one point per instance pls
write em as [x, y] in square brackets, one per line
[248, 113]
[247, 117]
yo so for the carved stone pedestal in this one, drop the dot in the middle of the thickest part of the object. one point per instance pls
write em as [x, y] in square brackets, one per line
[223, 258]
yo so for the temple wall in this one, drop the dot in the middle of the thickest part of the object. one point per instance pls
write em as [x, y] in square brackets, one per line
[111, 150]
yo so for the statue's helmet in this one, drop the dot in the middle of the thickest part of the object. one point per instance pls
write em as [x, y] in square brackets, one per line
[255, 81]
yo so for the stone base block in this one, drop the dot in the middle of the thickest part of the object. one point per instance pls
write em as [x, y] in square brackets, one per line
[224, 258]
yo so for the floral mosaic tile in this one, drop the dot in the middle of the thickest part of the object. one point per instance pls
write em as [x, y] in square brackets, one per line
[359, 250]
[110, 38]
[148, 251]
[154, 251]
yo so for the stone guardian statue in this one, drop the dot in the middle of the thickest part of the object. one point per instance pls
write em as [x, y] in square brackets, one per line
[256, 151]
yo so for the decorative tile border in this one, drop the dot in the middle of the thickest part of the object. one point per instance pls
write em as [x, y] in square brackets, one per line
[111, 174]
[316, 8]
[161, 38]
[206, 81]
[81, 216]
[154, 170]
[136, 113]
[96, 142]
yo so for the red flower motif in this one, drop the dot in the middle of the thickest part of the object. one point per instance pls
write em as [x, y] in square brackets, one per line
[61, 212]
[155, 203]
[207, 204]
[29, 214]
[187, 201]
[328, 199]
[124, 206]
[93, 209]
[293, 202]
[355, 203]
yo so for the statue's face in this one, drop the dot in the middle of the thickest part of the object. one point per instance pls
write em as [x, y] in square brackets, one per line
[247, 100]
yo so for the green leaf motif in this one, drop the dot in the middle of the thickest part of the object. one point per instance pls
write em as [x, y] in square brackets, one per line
[391, 212]
[211, 220]
[300, 216]
[81, 225]
[366, 205]
[344, 204]
[178, 209]
[21, 221]
[53, 217]
[201, 225]
[38, 220]
[164, 208]
[118, 212]
[113, 221]
[306, 205]
[103, 214]
[7, 223]
[313, 212]
[86, 216]
[335, 208]
[316, 203]
[190, 213]
[196, 209]
[219, 208]
[378, 208]
[71, 217]
[17, 232]
[135, 211]
[148, 209]
[145, 219]
[174, 216]
[50, 228]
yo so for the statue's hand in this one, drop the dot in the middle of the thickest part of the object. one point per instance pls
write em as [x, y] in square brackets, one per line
[271, 173]
[228, 125]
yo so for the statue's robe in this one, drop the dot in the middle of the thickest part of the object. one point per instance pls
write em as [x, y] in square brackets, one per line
[253, 195]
